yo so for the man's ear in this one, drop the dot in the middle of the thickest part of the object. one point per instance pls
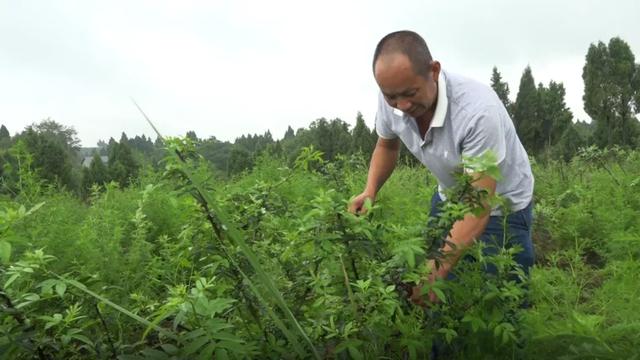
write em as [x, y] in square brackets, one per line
[435, 69]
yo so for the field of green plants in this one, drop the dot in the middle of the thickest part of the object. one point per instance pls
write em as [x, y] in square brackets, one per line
[183, 265]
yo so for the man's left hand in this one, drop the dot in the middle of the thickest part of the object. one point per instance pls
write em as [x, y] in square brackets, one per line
[439, 273]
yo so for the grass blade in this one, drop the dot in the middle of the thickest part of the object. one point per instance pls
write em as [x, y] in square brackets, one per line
[235, 237]
[117, 307]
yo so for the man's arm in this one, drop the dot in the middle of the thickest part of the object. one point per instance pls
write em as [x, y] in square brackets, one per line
[462, 235]
[383, 161]
[465, 231]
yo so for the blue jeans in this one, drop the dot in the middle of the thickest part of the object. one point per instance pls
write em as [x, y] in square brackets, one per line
[518, 228]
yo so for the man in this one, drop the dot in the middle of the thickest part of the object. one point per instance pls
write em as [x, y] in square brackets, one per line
[441, 116]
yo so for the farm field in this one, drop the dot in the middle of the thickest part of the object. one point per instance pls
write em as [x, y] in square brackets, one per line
[269, 264]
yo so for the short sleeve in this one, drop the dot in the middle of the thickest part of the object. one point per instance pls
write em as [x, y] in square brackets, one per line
[485, 132]
[383, 119]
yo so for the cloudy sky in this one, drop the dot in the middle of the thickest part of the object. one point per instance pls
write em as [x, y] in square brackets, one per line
[225, 68]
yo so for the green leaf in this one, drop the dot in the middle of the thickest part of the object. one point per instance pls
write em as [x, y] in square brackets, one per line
[227, 337]
[194, 334]
[169, 349]
[154, 354]
[348, 343]
[195, 345]
[367, 204]
[439, 294]
[234, 346]
[5, 252]
[34, 209]
[236, 237]
[215, 325]
[47, 286]
[83, 338]
[219, 305]
[355, 353]
[61, 287]
[222, 354]
[32, 297]
[476, 323]
[129, 357]
[119, 308]
[449, 334]
[207, 352]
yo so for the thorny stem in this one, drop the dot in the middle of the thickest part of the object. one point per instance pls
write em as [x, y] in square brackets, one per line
[221, 229]
[604, 166]
[15, 313]
[106, 330]
[20, 319]
[347, 244]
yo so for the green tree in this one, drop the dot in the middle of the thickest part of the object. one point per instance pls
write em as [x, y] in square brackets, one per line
[330, 137]
[585, 130]
[361, 137]
[289, 134]
[254, 144]
[216, 152]
[5, 138]
[501, 88]
[95, 173]
[51, 160]
[98, 170]
[612, 92]
[192, 135]
[64, 135]
[568, 143]
[55, 150]
[123, 138]
[240, 159]
[18, 175]
[554, 117]
[86, 182]
[122, 166]
[525, 116]
[4, 133]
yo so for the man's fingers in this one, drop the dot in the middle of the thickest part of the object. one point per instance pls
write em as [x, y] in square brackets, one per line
[433, 298]
[358, 205]
[355, 206]
[416, 296]
[423, 301]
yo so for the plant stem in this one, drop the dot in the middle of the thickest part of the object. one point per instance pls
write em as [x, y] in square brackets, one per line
[106, 330]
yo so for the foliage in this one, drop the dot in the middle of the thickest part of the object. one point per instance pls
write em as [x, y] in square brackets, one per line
[501, 88]
[207, 296]
[246, 249]
[611, 92]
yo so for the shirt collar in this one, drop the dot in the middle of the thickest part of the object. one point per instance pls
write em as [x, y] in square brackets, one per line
[442, 103]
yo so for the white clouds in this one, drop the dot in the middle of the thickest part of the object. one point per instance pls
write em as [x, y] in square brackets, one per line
[230, 67]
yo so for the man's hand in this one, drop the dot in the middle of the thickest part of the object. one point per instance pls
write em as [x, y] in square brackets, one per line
[463, 234]
[440, 273]
[356, 205]
[383, 161]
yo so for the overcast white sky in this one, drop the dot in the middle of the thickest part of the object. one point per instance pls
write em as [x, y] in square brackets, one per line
[226, 68]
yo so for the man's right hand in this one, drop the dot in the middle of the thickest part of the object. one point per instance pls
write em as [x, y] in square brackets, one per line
[383, 161]
[356, 205]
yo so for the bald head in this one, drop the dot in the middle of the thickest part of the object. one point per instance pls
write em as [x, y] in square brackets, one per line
[410, 45]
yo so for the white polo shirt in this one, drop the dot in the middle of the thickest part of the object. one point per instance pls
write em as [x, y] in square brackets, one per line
[469, 119]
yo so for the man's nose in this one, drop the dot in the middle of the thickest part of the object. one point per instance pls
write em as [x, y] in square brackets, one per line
[403, 105]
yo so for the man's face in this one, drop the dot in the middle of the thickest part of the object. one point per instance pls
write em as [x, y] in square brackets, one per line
[405, 90]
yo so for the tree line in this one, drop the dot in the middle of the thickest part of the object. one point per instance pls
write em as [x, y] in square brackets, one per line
[611, 98]
[543, 121]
